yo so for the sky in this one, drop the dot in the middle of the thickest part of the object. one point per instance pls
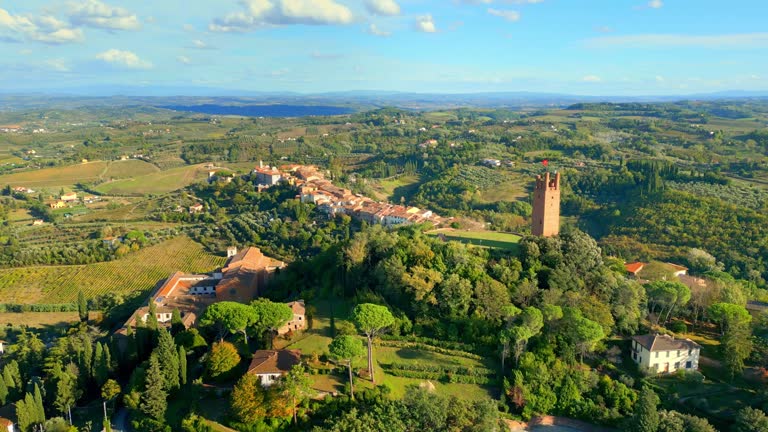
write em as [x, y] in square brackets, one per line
[585, 47]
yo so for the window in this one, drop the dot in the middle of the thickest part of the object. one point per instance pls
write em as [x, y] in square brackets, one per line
[657, 354]
[677, 365]
[690, 351]
[667, 354]
[678, 353]
[688, 365]
[634, 356]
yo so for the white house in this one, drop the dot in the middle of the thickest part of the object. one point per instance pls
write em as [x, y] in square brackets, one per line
[270, 365]
[665, 354]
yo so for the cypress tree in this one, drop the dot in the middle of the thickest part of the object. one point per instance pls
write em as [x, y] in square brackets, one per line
[646, 416]
[38, 410]
[23, 416]
[107, 359]
[152, 323]
[100, 370]
[4, 392]
[177, 326]
[82, 306]
[182, 365]
[169, 358]
[8, 381]
[153, 399]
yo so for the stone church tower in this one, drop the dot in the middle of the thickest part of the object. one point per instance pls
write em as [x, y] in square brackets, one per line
[546, 206]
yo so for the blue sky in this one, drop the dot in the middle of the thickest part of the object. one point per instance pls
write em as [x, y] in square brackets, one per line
[590, 47]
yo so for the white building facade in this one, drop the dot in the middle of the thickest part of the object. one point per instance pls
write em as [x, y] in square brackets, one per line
[665, 354]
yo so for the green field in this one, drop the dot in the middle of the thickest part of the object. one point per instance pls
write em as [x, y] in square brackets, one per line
[156, 182]
[67, 176]
[56, 177]
[317, 339]
[138, 271]
[393, 189]
[490, 239]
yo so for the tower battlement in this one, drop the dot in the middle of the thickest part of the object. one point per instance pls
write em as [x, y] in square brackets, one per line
[546, 206]
[548, 182]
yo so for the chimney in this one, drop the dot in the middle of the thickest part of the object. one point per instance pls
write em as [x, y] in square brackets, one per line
[261, 164]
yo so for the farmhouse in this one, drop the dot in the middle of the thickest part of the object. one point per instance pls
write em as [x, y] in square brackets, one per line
[197, 208]
[266, 176]
[37, 222]
[678, 270]
[242, 279]
[634, 268]
[664, 354]
[299, 321]
[68, 197]
[270, 365]
[245, 275]
[57, 205]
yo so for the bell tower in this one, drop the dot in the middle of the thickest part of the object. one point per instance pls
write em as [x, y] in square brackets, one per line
[546, 206]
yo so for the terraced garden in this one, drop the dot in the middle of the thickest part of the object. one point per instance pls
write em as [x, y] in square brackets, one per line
[136, 272]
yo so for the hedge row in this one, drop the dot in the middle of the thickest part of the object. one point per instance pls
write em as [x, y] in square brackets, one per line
[63, 307]
[439, 376]
[457, 346]
[446, 369]
[428, 347]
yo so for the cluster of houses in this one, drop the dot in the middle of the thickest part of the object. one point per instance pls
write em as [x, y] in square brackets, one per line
[332, 200]
[243, 278]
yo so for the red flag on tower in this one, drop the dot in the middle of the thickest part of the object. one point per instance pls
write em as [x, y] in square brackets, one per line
[545, 162]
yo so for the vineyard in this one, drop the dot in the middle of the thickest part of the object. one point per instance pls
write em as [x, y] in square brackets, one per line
[137, 272]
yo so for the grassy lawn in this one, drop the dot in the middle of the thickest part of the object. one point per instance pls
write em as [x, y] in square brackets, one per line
[317, 339]
[490, 239]
[138, 271]
[129, 168]
[401, 186]
[510, 190]
[156, 182]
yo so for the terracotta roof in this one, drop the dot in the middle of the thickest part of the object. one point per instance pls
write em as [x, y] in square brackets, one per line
[677, 267]
[297, 307]
[4, 422]
[634, 267]
[274, 361]
[657, 342]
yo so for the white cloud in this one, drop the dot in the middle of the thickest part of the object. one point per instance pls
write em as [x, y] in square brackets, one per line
[198, 44]
[374, 30]
[59, 65]
[124, 58]
[591, 78]
[44, 28]
[655, 4]
[659, 78]
[426, 24]
[508, 15]
[184, 59]
[722, 41]
[261, 13]
[382, 7]
[188, 27]
[94, 13]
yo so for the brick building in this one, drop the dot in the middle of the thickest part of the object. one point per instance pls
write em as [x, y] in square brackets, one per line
[546, 206]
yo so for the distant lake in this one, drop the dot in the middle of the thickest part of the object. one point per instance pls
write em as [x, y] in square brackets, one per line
[263, 110]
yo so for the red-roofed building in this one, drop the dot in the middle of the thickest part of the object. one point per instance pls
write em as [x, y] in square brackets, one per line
[634, 268]
[270, 365]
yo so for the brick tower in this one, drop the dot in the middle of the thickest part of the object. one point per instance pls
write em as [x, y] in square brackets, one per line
[546, 206]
